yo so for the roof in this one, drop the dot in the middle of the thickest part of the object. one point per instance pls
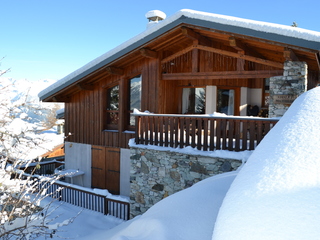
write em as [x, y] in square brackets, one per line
[268, 31]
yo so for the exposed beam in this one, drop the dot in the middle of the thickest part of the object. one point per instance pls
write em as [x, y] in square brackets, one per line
[85, 87]
[240, 55]
[243, 49]
[289, 55]
[195, 60]
[189, 33]
[222, 75]
[148, 53]
[60, 99]
[115, 70]
[237, 45]
[177, 54]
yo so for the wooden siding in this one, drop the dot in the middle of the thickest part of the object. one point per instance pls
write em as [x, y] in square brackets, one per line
[174, 53]
[85, 112]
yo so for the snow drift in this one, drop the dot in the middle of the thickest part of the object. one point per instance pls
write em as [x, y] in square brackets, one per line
[276, 194]
[186, 215]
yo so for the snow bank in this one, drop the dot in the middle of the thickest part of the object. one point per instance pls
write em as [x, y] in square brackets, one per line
[276, 194]
[188, 214]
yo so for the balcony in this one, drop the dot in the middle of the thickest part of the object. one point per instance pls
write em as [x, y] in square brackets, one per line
[203, 132]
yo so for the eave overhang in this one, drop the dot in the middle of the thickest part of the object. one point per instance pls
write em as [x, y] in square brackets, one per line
[160, 29]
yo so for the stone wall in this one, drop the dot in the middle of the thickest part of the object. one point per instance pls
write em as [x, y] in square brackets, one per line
[284, 89]
[158, 174]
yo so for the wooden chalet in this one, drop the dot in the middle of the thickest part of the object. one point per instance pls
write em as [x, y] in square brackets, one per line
[190, 63]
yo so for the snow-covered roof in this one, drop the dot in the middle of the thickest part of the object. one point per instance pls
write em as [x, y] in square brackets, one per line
[60, 113]
[270, 31]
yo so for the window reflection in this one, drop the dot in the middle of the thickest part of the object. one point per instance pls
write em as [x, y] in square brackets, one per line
[113, 105]
[135, 97]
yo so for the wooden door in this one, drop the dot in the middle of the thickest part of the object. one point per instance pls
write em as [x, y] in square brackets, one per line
[98, 167]
[106, 168]
[113, 170]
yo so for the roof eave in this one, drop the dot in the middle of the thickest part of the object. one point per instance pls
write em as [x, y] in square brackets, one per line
[303, 43]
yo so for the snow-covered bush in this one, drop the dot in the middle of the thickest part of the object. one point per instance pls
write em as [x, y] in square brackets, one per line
[22, 121]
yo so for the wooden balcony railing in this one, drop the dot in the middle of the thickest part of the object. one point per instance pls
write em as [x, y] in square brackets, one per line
[204, 132]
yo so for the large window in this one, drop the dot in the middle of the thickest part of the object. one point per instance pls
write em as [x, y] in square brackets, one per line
[112, 110]
[134, 98]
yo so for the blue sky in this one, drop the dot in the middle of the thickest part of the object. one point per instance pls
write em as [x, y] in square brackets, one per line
[43, 39]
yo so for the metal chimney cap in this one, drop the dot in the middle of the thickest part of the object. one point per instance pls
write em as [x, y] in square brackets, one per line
[155, 15]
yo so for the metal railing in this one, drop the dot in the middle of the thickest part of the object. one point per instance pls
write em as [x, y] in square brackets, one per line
[86, 199]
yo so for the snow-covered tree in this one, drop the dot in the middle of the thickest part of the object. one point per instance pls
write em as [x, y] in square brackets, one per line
[22, 120]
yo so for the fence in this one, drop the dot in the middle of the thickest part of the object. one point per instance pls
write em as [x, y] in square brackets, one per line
[86, 199]
[204, 132]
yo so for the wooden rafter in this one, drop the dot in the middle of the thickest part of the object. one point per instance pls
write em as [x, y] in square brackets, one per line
[242, 50]
[85, 87]
[222, 75]
[237, 45]
[177, 54]
[289, 55]
[60, 99]
[240, 55]
[148, 53]
[189, 33]
[115, 70]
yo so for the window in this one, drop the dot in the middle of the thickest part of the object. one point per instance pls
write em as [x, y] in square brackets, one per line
[265, 103]
[134, 98]
[112, 110]
[225, 101]
[193, 100]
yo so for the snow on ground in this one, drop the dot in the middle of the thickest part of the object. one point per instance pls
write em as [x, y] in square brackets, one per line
[185, 215]
[276, 194]
[85, 223]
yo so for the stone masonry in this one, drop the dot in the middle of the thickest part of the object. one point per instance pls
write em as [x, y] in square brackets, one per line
[158, 174]
[292, 84]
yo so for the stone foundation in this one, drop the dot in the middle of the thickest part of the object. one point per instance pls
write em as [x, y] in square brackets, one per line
[284, 89]
[158, 174]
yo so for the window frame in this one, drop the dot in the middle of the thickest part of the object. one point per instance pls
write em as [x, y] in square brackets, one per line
[129, 111]
[108, 125]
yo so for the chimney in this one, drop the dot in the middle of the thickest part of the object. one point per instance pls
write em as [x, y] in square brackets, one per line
[154, 16]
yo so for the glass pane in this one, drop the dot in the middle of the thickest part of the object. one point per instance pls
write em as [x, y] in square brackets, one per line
[200, 97]
[225, 101]
[193, 100]
[113, 98]
[112, 118]
[135, 93]
[132, 119]
[135, 97]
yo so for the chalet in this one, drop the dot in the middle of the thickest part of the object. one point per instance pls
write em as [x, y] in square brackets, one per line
[183, 70]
